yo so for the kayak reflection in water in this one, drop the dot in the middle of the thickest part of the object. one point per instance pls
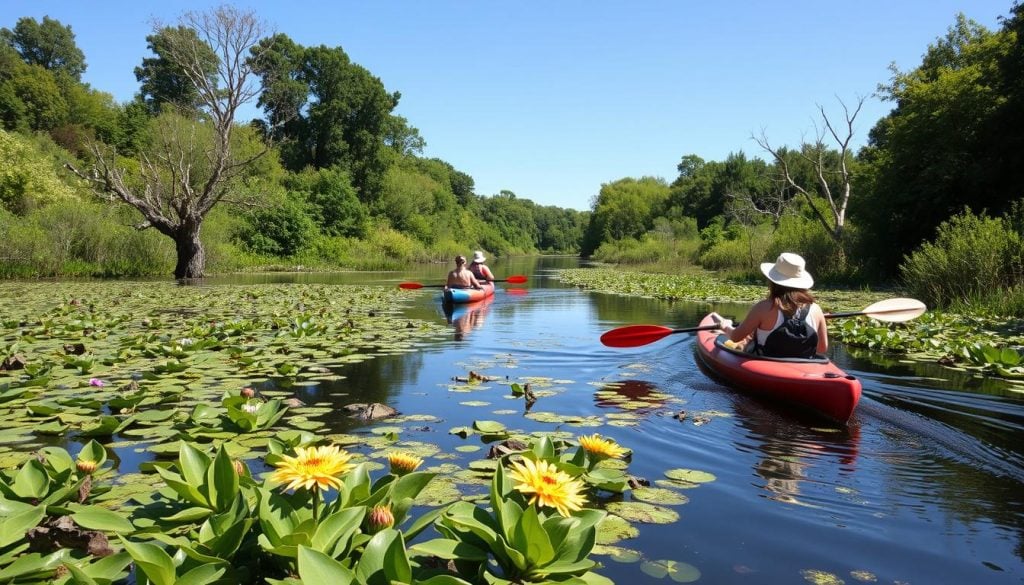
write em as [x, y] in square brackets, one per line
[466, 318]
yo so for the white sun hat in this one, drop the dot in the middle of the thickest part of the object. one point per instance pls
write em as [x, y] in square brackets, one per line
[788, 270]
[478, 256]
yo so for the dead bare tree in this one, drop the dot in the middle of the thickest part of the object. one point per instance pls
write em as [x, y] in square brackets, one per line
[191, 164]
[832, 174]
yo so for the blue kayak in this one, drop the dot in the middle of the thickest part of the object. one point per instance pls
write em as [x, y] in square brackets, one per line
[468, 295]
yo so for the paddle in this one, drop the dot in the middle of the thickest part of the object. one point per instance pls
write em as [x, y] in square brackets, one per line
[889, 310]
[517, 279]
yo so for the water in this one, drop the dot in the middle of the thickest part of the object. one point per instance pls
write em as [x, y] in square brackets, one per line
[924, 485]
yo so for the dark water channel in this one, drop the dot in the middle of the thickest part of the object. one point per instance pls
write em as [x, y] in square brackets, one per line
[925, 485]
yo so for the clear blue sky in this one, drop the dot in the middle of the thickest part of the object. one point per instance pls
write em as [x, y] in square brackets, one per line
[550, 99]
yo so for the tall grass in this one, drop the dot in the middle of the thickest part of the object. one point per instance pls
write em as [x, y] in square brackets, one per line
[975, 262]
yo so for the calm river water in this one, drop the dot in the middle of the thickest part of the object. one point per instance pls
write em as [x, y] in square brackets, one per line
[925, 485]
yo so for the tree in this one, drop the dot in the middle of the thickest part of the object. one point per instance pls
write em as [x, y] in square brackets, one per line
[162, 80]
[328, 111]
[403, 138]
[832, 174]
[624, 209]
[184, 177]
[945, 145]
[47, 44]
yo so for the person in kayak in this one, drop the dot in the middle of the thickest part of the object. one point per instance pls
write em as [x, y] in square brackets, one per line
[462, 277]
[479, 269]
[788, 323]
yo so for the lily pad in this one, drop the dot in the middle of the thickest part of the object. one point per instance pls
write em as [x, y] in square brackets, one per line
[675, 570]
[690, 475]
[613, 528]
[617, 553]
[662, 496]
[439, 491]
[643, 512]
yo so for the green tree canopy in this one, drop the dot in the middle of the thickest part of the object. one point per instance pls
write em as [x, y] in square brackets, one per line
[932, 155]
[162, 78]
[625, 209]
[48, 44]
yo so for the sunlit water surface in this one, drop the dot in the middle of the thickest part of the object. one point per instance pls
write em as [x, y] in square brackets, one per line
[924, 485]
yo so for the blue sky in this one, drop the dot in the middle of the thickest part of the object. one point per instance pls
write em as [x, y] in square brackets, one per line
[551, 99]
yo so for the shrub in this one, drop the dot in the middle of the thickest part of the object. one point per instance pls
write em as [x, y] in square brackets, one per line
[280, 230]
[974, 259]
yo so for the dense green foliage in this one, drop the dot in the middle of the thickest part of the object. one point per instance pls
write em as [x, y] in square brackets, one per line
[946, 155]
[343, 182]
[331, 177]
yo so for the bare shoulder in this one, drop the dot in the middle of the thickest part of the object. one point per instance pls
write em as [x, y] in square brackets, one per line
[762, 308]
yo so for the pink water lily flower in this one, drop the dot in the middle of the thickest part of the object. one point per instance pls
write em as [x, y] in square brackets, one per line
[97, 382]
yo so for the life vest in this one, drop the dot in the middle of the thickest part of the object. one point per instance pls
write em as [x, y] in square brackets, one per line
[794, 338]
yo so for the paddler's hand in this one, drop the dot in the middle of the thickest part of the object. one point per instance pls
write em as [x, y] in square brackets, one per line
[724, 324]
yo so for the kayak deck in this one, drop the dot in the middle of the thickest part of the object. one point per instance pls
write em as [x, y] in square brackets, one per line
[814, 384]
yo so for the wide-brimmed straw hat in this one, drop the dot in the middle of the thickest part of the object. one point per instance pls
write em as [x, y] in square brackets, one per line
[788, 270]
[478, 256]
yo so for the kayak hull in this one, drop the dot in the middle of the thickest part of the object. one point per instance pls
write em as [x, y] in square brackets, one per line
[816, 385]
[468, 295]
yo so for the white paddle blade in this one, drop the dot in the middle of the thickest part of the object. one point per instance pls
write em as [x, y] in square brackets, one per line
[896, 310]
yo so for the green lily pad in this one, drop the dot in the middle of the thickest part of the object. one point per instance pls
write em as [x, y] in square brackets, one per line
[662, 496]
[643, 512]
[613, 528]
[617, 553]
[675, 570]
[690, 475]
[439, 491]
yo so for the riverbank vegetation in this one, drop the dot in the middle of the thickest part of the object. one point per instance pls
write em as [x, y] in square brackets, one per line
[330, 177]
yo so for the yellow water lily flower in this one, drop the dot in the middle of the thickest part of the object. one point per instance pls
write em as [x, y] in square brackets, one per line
[549, 486]
[403, 463]
[602, 448]
[320, 467]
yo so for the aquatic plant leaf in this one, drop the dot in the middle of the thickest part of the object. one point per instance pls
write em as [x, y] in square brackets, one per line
[690, 475]
[643, 512]
[675, 570]
[662, 496]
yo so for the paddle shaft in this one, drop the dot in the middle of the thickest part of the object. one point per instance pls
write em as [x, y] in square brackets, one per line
[894, 310]
[516, 279]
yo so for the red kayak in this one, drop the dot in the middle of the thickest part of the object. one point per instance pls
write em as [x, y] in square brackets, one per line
[813, 384]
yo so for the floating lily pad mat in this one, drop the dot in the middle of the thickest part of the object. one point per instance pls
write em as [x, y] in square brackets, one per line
[152, 361]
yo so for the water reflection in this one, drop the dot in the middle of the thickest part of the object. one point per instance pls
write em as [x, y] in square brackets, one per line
[464, 318]
[638, 396]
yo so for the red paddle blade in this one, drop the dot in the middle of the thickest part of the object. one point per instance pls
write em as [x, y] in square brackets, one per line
[410, 285]
[634, 335]
[517, 279]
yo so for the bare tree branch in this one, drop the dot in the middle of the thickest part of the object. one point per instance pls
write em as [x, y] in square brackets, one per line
[833, 178]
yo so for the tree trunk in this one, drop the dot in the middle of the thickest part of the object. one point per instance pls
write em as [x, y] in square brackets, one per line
[191, 256]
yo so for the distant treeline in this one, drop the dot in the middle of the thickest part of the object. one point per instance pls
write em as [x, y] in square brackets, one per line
[331, 177]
